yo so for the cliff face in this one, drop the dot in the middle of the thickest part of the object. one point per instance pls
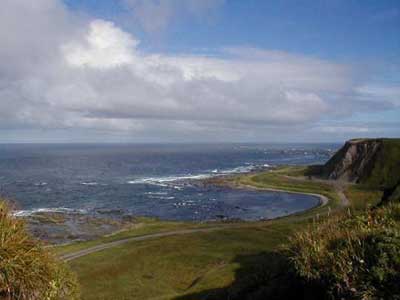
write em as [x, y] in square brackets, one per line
[354, 161]
[373, 162]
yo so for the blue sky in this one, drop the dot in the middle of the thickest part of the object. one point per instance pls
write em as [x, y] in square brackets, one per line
[338, 29]
[321, 70]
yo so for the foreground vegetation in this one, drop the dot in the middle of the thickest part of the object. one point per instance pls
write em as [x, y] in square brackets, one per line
[27, 269]
[350, 256]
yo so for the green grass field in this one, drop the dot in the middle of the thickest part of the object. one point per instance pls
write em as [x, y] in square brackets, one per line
[144, 226]
[362, 197]
[195, 266]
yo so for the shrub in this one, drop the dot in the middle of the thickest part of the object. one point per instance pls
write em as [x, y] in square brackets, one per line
[27, 269]
[351, 256]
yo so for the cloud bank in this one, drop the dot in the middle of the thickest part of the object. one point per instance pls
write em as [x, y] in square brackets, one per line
[60, 70]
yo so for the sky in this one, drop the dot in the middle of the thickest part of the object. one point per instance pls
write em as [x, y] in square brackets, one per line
[199, 70]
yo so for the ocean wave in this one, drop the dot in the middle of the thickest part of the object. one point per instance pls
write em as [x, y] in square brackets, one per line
[147, 181]
[89, 183]
[183, 203]
[157, 193]
[163, 181]
[240, 169]
[166, 180]
[30, 212]
[162, 197]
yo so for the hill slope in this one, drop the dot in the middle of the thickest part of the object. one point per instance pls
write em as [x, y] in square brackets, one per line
[372, 162]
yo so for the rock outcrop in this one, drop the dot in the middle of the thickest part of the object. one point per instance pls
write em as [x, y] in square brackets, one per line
[372, 162]
[375, 163]
[354, 161]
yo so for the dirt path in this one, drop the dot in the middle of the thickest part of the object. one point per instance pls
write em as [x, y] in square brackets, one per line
[80, 253]
[340, 191]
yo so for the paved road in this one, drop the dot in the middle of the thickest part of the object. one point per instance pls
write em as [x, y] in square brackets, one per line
[80, 253]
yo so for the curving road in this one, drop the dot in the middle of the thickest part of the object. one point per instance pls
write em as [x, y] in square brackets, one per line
[80, 253]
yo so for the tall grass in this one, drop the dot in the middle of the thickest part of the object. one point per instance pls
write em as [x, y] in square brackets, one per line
[351, 256]
[27, 269]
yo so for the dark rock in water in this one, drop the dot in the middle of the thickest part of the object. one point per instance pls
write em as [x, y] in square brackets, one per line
[110, 211]
[223, 217]
[56, 228]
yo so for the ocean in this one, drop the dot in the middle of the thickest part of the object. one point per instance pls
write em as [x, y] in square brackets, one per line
[153, 180]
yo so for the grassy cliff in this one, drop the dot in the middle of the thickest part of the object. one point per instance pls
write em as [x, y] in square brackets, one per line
[372, 162]
[385, 171]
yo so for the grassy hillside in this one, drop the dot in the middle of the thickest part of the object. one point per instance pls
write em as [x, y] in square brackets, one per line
[386, 170]
[27, 269]
[350, 256]
[362, 197]
[180, 266]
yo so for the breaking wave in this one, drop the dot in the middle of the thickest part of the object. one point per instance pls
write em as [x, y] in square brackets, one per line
[30, 212]
[164, 181]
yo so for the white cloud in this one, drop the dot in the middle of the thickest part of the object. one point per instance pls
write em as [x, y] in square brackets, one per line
[68, 71]
[104, 46]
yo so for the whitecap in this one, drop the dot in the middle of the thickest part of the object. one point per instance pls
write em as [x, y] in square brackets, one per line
[156, 193]
[162, 181]
[240, 169]
[89, 183]
[30, 212]
[165, 181]
[162, 197]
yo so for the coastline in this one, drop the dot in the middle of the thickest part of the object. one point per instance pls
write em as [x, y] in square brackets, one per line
[53, 227]
[174, 227]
